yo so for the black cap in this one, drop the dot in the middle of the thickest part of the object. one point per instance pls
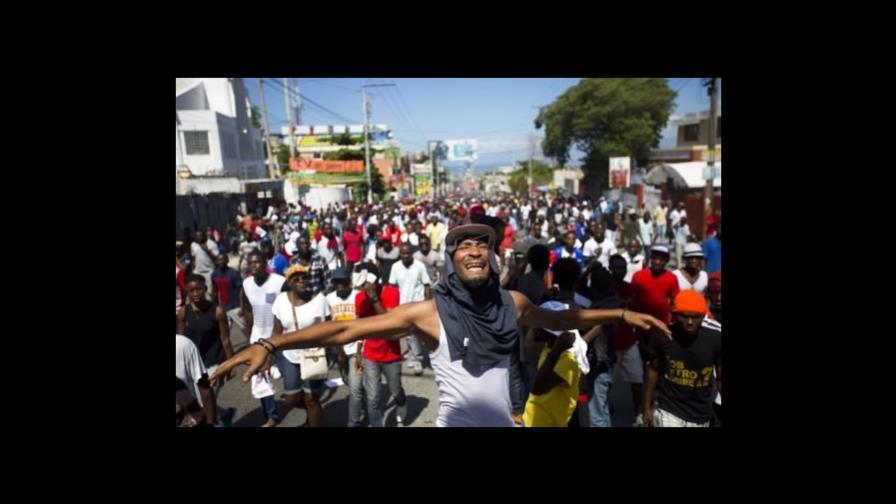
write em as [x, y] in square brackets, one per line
[340, 274]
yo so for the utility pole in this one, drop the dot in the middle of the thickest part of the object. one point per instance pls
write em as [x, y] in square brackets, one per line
[366, 111]
[435, 173]
[531, 154]
[713, 106]
[532, 148]
[292, 133]
[272, 159]
[298, 104]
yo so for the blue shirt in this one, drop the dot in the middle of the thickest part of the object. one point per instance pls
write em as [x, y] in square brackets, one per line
[577, 254]
[712, 249]
[580, 230]
[280, 264]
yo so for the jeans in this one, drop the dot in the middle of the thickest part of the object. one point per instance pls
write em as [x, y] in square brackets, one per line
[269, 408]
[517, 399]
[599, 404]
[661, 233]
[292, 378]
[356, 392]
[372, 372]
[417, 352]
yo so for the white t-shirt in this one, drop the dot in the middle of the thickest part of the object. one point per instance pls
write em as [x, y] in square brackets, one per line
[188, 365]
[674, 217]
[204, 263]
[344, 309]
[587, 213]
[433, 261]
[699, 285]
[645, 230]
[635, 264]
[524, 211]
[314, 311]
[262, 298]
[329, 255]
[607, 247]
[410, 281]
[412, 238]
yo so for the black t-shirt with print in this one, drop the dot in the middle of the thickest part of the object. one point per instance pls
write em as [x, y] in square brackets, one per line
[687, 387]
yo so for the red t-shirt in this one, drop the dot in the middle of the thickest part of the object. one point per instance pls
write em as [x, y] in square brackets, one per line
[379, 350]
[508, 238]
[352, 243]
[625, 334]
[650, 295]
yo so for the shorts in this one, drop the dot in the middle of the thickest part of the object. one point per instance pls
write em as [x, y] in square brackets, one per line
[631, 367]
[662, 418]
[292, 378]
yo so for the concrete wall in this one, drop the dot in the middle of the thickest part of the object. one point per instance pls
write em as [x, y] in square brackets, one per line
[322, 196]
[209, 185]
[703, 136]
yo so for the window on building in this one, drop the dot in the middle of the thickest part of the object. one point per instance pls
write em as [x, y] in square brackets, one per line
[196, 142]
[317, 155]
[246, 151]
[692, 133]
[719, 128]
[228, 145]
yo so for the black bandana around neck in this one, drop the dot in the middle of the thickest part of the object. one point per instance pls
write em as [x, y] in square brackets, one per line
[480, 324]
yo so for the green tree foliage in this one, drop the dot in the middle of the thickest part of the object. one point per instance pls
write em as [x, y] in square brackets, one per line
[606, 118]
[542, 174]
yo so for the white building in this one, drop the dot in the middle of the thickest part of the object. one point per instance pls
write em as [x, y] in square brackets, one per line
[568, 179]
[213, 131]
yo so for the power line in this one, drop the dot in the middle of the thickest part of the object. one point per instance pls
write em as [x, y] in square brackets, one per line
[686, 82]
[318, 105]
[321, 82]
[399, 114]
[402, 100]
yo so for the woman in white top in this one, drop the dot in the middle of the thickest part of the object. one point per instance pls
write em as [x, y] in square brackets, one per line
[691, 277]
[293, 310]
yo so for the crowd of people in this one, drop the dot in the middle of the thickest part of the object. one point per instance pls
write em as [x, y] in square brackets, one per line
[526, 310]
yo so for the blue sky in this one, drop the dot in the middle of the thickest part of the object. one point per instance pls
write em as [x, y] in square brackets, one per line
[499, 113]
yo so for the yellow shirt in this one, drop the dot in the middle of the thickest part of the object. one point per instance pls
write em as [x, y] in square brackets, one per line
[555, 408]
[435, 234]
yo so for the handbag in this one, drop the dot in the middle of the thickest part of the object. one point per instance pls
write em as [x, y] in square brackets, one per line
[314, 360]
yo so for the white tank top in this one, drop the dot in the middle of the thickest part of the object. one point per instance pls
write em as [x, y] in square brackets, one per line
[699, 285]
[466, 400]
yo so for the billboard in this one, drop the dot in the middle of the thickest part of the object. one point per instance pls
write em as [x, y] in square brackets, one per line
[438, 150]
[325, 166]
[461, 150]
[620, 172]
[423, 184]
[307, 178]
